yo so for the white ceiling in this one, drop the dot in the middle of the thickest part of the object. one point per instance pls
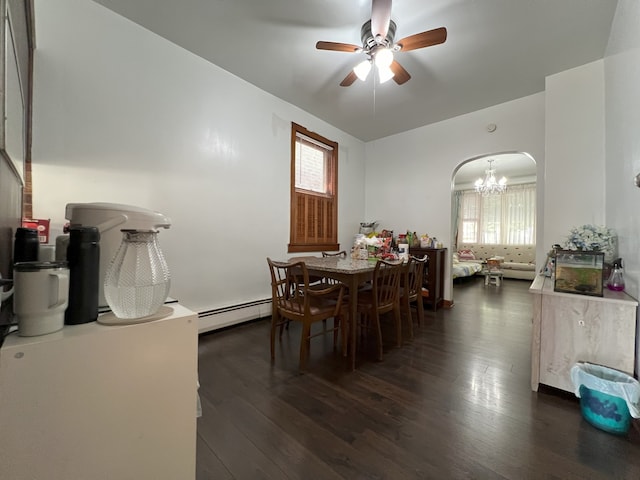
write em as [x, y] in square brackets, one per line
[496, 51]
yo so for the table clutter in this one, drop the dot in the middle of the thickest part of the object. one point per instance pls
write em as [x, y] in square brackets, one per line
[369, 244]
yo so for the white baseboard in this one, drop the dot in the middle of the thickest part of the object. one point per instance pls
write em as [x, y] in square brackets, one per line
[233, 315]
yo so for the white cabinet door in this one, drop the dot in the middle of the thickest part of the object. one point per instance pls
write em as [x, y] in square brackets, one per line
[579, 328]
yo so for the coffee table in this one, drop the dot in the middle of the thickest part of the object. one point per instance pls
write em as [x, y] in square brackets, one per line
[492, 276]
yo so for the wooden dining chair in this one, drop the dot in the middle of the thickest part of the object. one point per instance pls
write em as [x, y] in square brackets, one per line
[318, 280]
[293, 299]
[341, 253]
[332, 281]
[383, 297]
[411, 290]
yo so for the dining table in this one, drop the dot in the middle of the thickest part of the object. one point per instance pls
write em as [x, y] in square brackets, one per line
[350, 272]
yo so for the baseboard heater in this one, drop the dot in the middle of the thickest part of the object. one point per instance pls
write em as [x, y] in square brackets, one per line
[233, 315]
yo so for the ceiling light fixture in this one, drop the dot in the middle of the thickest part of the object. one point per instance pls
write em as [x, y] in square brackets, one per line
[490, 185]
[385, 74]
[382, 58]
[362, 69]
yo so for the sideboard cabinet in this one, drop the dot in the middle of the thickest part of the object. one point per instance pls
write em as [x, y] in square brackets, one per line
[570, 328]
[434, 276]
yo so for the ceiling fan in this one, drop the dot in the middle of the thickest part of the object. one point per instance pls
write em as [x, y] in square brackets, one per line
[378, 45]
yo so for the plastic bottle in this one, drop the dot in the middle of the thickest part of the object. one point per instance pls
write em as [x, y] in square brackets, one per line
[83, 256]
[62, 244]
[616, 279]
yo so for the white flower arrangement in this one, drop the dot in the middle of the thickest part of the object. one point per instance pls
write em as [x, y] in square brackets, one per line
[592, 237]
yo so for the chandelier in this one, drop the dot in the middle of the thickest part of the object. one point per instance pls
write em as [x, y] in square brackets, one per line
[490, 185]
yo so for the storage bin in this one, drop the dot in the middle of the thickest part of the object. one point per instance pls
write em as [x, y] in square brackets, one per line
[608, 397]
[604, 411]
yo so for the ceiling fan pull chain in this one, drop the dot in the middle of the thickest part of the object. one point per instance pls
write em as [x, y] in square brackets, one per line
[374, 96]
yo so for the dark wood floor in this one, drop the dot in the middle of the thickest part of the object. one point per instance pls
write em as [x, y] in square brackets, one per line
[453, 403]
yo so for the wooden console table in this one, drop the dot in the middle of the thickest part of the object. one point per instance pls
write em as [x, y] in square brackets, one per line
[568, 328]
[434, 276]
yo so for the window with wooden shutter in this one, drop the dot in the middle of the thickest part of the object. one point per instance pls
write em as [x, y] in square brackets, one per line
[314, 192]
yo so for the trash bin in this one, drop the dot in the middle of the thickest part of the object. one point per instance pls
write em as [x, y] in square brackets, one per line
[608, 397]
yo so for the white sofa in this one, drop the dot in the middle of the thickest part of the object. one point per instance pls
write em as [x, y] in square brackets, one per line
[519, 260]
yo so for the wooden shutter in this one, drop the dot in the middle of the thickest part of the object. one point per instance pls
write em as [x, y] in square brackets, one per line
[314, 215]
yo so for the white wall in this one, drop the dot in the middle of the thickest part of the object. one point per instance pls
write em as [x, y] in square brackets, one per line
[622, 93]
[562, 129]
[122, 115]
[622, 100]
[410, 175]
[575, 171]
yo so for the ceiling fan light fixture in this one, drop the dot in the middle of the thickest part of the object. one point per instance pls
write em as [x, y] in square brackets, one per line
[385, 73]
[378, 43]
[362, 69]
[383, 57]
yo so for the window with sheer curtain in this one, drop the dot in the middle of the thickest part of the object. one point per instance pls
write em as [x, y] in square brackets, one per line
[506, 219]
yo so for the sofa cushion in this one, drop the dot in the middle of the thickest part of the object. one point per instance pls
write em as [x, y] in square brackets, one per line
[525, 254]
[518, 266]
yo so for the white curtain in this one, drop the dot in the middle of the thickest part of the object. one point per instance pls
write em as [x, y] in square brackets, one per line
[506, 219]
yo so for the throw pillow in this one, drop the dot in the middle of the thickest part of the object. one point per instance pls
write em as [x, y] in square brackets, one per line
[466, 255]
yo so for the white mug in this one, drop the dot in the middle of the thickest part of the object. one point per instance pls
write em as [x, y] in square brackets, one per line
[40, 298]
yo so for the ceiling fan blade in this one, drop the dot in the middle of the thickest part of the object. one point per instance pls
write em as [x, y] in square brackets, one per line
[424, 39]
[400, 75]
[349, 79]
[380, 17]
[338, 47]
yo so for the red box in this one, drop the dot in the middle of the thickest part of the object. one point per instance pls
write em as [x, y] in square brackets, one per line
[39, 224]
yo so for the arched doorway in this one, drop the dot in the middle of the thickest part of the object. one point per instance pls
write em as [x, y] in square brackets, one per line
[507, 218]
